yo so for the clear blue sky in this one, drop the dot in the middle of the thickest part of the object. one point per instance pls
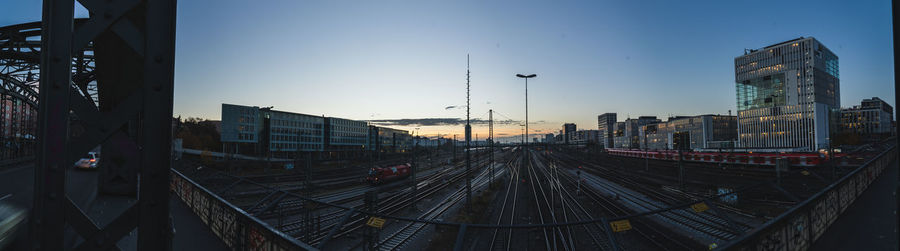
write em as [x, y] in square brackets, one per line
[406, 59]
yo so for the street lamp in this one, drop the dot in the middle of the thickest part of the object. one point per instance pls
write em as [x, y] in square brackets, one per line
[526, 77]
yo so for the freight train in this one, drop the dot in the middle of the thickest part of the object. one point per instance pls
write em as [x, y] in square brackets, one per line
[381, 175]
[747, 158]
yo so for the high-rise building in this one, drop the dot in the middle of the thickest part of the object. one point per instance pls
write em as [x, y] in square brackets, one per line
[568, 132]
[606, 124]
[872, 117]
[788, 96]
[548, 138]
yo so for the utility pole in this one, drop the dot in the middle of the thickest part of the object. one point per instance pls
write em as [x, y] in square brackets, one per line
[680, 168]
[370, 202]
[437, 146]
[307, 188]
[646, 161]
[413, 168]
[491, 137]
[468, 139]
[454, 149]
[523, 137]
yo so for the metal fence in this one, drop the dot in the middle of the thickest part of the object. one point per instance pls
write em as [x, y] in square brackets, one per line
[796, 229]
[800, 227]
[237, 229]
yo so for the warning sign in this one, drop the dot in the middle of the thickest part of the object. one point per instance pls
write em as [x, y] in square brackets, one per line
[620, 225]
[375, 222]
[700, 207]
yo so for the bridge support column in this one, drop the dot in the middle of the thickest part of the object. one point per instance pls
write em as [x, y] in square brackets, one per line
[134, 47]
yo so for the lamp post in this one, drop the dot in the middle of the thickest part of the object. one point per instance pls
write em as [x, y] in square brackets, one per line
[526, 77]
[523, 136]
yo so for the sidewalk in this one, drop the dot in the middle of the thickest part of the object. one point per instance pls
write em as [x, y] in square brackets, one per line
[870, 222]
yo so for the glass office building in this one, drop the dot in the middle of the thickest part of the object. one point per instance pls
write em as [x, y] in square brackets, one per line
[788, 96]
[606, 124]
[263, 131]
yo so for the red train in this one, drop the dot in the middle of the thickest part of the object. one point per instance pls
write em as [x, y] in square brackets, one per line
[748, 158]
[381, 175]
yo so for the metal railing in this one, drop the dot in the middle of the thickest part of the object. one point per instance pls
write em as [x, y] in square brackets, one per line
[237, 229]
[796, 229]
[799, 227]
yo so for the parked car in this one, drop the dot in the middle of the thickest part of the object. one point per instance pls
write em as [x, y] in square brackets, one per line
[88, 162]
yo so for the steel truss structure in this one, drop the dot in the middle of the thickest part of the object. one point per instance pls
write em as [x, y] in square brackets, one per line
[105, 80]
[19, 73]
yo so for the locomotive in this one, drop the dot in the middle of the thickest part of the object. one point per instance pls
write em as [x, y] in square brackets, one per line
[380, 175]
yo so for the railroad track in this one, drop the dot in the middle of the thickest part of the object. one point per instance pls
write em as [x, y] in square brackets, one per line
[331, 216]
[399, 200]
[642, 198]
[657, 236]
[512, 185]
[572, 206]
[545, 209]
[397, 239]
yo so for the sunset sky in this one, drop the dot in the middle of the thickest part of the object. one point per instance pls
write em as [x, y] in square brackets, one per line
[392, 60]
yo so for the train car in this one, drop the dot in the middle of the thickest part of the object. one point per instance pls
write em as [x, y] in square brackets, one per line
[746, 158]
[381, 175]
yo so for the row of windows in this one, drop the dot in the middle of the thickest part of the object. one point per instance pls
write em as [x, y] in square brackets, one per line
[356, 129]
[295, 138]
[293, 147]
[786, 131]
[245, 136]
[295, 131]
[294, 123]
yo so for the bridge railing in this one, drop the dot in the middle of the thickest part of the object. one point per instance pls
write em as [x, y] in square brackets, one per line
[237, 229]
[799, 227]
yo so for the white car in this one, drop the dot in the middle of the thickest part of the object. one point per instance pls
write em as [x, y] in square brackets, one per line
[88, 162]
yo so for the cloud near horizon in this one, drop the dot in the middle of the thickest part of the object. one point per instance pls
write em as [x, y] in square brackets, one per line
[441, 122]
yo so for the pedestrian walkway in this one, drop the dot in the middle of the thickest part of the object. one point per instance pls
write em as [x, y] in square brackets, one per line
[870, 222]
[190, 232]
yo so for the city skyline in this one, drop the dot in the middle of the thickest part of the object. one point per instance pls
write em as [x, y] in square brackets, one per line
[591, 58]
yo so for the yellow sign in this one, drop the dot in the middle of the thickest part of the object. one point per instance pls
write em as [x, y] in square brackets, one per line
[700, 207]
[375, 222]
[620, 225]
[804, 172]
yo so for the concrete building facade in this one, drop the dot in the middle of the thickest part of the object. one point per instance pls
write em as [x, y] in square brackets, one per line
[606, 124]
[788, 96]
[690, 133]
[872, 117]
[264, 131]
[569, 133]
[587, 137]
[619, 138]
[631, 138]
